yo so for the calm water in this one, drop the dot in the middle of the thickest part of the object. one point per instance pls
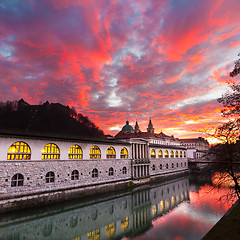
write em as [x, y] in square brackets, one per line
[181, 209]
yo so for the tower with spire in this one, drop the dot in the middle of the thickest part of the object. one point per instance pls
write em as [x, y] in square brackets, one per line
[136, 128]
[150, 128]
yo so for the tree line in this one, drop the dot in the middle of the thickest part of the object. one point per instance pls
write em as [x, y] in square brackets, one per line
[47, 118]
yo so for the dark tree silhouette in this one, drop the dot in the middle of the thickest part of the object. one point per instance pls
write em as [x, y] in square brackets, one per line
[236, 69]
[46, 119]
[227, 154]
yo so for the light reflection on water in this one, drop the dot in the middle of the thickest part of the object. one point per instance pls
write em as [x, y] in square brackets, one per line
[176, 210]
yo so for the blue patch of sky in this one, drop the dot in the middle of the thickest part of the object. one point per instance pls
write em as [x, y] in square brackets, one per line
[16, 7]
[6, 50]
[185, 5]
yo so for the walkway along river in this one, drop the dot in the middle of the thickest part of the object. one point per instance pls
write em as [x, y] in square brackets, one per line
[179, 209]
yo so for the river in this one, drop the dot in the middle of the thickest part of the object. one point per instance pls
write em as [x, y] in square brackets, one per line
[180, 209]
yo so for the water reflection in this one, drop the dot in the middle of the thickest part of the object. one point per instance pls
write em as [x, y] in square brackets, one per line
[161, 212]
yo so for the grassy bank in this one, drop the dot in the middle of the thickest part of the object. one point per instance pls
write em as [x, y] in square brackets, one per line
[228, 228]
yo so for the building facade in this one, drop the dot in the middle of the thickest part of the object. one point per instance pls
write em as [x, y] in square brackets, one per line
[40, 168]
[196, 147]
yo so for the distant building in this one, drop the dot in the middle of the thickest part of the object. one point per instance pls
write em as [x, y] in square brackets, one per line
[154, 151]
[196, 147]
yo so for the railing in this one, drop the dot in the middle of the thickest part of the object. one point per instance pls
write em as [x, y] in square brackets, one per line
[139, 161]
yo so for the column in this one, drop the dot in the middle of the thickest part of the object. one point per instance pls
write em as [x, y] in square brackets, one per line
[136, 152]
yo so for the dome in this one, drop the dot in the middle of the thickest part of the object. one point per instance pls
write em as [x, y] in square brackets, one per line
[127, 127]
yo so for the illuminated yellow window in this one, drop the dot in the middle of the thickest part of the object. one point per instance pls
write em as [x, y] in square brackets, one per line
[124, 224]
[160, 154]
[176, 154]
[19, 151]
[173, 200]
[154, 210]
[166, 154]
[51, 151]
[111, 153]
[75, 152]
[168, 204]
[95, 152]
[94, 235]
[162, 207]
[76, 238]
[180, 153]
[124, 153]
[184, 154]
[110, 230]
[172, 154]
[153, 153]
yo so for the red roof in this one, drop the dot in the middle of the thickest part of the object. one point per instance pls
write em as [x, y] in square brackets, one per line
[121, 134]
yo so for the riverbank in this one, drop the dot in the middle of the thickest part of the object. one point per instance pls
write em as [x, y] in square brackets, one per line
[228, 227]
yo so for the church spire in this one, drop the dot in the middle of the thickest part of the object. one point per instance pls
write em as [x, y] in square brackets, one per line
[150, 128]
[136, 127]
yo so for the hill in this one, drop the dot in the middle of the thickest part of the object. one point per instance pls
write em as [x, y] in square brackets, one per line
[47, 118]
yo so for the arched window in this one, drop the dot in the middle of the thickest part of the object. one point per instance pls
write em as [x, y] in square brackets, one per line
[110, 171]
[180, 154]
[50, 177]
[51, 151]
[111, 153]
[124, 224]
[162, 206]
[167, 166]
[154, 210]
[124, 153]
[166, 154]
[19, 151]
[153, 153]
[75, 152]
[181, 164]
[160, 166]
[95, 234]
[124, 170]
[177, 164]
[110, 230]
[172, 165]
[184, 153]
[95, 152]
[153, 167]
[17, 180]
[94, 173]
[173, 201]
[171, 154]
[75, 175]
[176, 154]
[160, 154]
[47, 229]
[168, 203]
[73, 221]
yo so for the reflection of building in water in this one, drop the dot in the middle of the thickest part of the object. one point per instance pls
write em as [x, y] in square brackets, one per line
[128, 215]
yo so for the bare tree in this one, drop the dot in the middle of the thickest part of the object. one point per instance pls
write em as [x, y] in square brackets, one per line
[227, 153]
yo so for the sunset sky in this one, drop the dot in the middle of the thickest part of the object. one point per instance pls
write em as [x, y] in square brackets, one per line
[118, 60]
